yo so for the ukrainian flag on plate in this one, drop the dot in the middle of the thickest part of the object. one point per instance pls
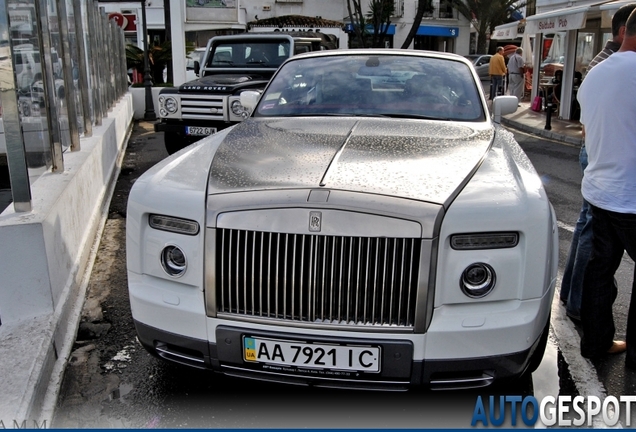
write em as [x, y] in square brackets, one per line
[249, 349]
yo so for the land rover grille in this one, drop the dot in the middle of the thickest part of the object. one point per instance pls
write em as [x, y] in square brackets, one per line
[202, 107]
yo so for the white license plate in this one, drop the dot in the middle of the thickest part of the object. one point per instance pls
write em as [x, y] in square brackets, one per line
[311, 355]
[199, 131]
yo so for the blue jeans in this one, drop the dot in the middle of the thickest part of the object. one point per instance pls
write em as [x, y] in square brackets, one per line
[496, 81]
[614, 233]
[580, 249]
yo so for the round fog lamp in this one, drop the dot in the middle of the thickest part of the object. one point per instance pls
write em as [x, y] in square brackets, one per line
[173, 261]
[237, 108]
[477, 280]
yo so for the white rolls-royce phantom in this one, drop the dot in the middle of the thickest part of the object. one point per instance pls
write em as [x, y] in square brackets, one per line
[370, 225]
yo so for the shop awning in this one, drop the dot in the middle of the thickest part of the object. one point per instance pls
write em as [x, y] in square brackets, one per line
[437, 31]
[609, 9]
[614, 5]
[369, 28]
[507, 31]
[571, 18]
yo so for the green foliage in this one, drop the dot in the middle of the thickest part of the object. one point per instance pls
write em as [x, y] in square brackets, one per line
[159, 56]
[423, 6]
[486, 15]
[378, 18]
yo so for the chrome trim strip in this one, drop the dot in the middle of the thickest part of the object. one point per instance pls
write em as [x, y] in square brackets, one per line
[375, 328]
[210, 281]
[300, 377]
[175, 354]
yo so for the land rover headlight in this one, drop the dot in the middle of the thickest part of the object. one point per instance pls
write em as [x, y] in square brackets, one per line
[167, 105]
[171, 105]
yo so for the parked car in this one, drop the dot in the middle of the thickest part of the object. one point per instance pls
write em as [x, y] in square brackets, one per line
[191, 58]
[368, 225]
[481, 62]
[238, 62]
[551, 65]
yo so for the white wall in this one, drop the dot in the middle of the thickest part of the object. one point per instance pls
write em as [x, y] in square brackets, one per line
[44, 251]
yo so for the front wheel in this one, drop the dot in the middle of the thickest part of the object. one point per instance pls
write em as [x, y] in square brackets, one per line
[173, 142]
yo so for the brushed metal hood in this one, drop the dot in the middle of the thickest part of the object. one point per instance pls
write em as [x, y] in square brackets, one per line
[415, 159]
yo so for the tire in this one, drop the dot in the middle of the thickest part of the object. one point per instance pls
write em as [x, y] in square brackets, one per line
[173, 142]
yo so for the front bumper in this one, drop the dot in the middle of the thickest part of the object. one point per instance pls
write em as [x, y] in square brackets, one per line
[179, 126]
[454, 353]
[399, 371]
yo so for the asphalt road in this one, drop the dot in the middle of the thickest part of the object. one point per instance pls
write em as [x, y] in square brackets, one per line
[112, 382]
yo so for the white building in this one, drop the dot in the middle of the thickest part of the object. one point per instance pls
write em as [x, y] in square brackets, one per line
[196, 21]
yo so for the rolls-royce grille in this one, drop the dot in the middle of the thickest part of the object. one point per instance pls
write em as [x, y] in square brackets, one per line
[317, 279]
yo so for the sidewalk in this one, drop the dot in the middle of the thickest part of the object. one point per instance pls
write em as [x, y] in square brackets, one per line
[526, 120]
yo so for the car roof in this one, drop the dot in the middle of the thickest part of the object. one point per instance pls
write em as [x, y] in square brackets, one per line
[381, 51]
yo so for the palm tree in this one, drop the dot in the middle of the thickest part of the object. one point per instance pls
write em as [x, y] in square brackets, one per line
[158, 57]
[423, 6]
[486, 15]
[380, 12]
[379, 17]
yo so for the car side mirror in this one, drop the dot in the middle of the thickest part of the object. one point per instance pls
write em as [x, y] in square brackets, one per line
[249, 99]
[503, 105]
[197, 68]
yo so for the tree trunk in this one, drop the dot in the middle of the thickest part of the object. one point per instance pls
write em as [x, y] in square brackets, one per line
[422, 6]
[166, 18]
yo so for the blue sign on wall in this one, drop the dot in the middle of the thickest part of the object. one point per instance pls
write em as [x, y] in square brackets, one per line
[349, 29]
[438, 31]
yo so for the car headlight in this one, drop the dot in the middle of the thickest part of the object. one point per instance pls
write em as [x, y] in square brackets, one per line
[167, 105]
[173, 261]
[171, 105]
[238, 109]
[495, 240]
[477, 280]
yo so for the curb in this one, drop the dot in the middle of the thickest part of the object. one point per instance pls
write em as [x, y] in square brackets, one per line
[543, 132]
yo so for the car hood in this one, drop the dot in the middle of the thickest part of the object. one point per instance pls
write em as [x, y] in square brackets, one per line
[220, 83]
[416, 159]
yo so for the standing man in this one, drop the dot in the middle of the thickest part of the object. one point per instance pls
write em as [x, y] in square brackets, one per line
[581, 246]
[497, 70]
[609, 186]
[516, 69]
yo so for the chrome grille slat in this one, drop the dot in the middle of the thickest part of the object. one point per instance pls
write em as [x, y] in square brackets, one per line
[316, 279]
[202, 107]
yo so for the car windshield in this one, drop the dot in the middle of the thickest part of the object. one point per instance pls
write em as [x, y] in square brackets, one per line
[253, 54]
[402, 86]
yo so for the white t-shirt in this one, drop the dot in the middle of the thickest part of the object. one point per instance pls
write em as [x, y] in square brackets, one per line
[608, 111]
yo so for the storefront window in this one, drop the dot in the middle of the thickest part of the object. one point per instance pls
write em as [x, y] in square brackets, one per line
[584, 51]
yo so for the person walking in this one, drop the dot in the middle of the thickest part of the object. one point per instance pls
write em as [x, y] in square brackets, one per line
[497, 70]
[516, 70]
[581, 246]
[609, 186]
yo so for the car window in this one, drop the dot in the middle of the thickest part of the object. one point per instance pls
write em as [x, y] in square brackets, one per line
[252, 54]
[417, 87]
